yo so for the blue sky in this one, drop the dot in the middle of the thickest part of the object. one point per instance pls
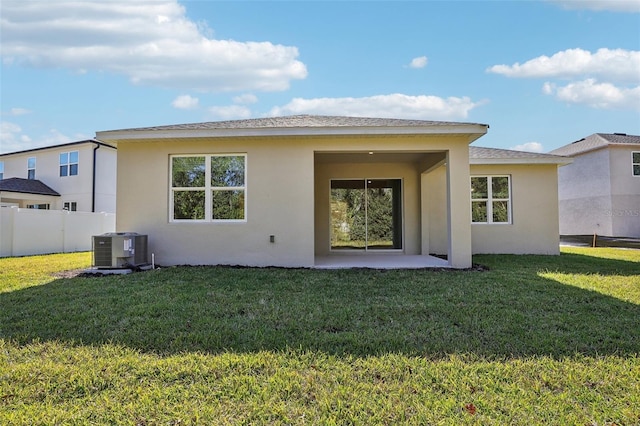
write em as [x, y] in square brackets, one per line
[540, 73]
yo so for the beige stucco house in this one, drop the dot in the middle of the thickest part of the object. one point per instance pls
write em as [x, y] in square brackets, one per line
[600, 191]
[76, 176]
[317, 191]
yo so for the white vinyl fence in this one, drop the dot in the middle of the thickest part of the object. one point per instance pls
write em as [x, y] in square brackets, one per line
[26, 232]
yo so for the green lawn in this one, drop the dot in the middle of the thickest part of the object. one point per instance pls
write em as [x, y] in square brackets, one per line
[532, 340]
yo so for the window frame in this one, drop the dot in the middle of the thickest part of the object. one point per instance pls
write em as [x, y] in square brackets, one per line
[31, 169]
[489, 200]
[68, 164]
[635, 164]
[208, 189]
[71, 206]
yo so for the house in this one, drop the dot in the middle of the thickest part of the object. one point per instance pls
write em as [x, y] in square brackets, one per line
[600, 191]
[76, 176]
[305, 191]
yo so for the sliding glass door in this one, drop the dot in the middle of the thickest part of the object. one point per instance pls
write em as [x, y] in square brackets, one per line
[366, 214]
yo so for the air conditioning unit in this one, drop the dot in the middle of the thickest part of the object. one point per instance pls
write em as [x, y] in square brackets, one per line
[119, 250]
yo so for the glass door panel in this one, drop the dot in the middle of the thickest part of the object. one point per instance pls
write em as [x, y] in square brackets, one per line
[366, 214]
[348, 215]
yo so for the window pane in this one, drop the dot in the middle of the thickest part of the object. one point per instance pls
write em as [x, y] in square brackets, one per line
[73, 169]
[63, 170]
[479, 187]
[64, 158]
[188, 172]
[500, 211]
[188, 205]
[73, 157]
[479, 211]
[31, 174]
[500, 187]
[227, 171]
[228, 205]
[636, 169]
[636, 157]
[31, 163]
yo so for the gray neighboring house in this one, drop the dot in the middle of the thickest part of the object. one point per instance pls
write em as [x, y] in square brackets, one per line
[599, 193]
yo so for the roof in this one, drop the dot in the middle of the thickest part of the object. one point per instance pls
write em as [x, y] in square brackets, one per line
[296, 125]
[481, 155]
[62, 145]
[597, 141]
[26, 186]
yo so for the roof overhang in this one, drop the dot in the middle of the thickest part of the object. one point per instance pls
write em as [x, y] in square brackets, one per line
[473, 131]
[528, 161]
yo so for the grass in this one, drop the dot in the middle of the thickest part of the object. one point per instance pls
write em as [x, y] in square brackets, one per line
[533, 340]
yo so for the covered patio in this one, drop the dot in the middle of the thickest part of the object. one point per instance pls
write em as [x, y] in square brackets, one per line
[379, 261]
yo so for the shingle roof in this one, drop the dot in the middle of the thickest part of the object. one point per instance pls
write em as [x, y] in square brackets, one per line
[58, 146]
[26, 186]
[482, 155]
[300, 121]
[596, 141]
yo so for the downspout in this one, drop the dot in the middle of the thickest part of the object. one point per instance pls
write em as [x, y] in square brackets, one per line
[93, 184]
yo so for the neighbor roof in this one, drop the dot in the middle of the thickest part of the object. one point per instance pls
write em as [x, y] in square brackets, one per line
[58, 146]
[597, 141]
[26, 186]
[481, 155]
[295, 125]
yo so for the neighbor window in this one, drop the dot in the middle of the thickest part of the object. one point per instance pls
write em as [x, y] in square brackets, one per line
[490, 199]
[31, 168]
[38, 206]
[71, 206]
[208, 188]
[635, 160]
[69, 163]
[1, 170]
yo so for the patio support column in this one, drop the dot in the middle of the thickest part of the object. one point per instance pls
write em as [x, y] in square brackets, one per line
[458, 206]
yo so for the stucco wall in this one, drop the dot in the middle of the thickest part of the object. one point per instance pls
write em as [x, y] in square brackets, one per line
[599, 194]
[534, 228]
[584, 191]
[625, 193]
[287, 196]
[534, 204]
[279, 200]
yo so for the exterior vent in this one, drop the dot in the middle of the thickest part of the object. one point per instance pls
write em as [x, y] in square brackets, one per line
[119, 250]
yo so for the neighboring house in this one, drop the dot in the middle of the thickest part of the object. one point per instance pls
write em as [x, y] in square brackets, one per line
[600, 191]
[76, 176]
[296, 191]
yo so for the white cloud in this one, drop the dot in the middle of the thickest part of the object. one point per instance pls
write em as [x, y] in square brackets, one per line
[150, 42]
[610, 5]
[611, 64]
[392, 106]
[529, 147]
[230, 112]
[18, 111]
[245, 99]
[12, 138]
[596, 95]
[185, 102]
[419, 62]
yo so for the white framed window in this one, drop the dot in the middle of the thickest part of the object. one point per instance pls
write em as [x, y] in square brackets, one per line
[207, 188]
[1, 170]
[31, 168]
[490, 199]
[38, 206]
[69, 163]
[635, 161]
[71, 206]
